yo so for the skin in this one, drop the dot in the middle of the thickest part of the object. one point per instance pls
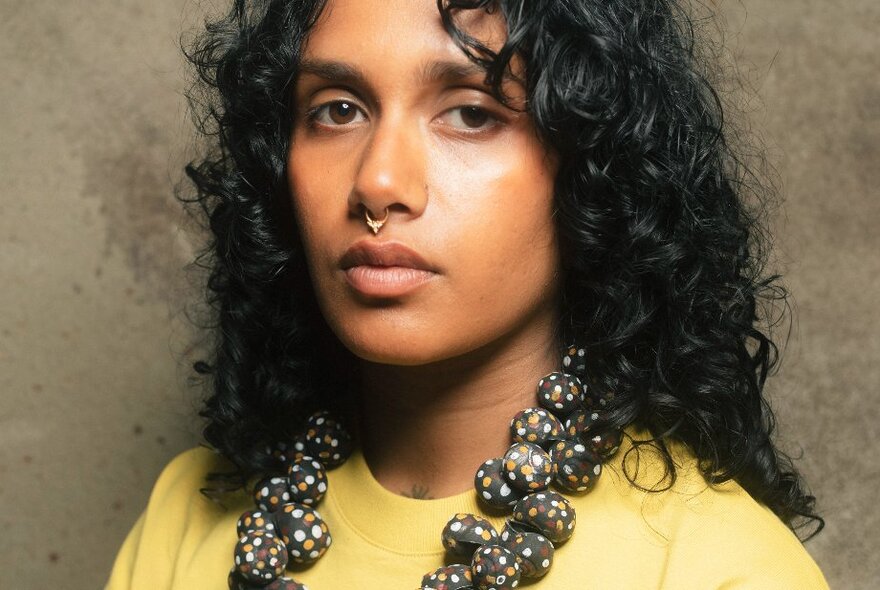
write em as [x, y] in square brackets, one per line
[469, 186]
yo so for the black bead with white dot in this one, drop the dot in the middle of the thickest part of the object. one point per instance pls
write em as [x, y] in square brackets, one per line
[492, 487]
[450, 577]
[560, 393]
[303, 531]
[548, 513]
[533, 551]
[254, 520]
[528, 467]
[260, 557]
[307, 480]
[575, 467]
[271, 493]
[326, 440]
[464, 533]
[537, 426]
[495, 568]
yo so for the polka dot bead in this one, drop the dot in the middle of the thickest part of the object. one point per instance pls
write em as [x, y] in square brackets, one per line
[536, 426]
[574, 360]
[606, 442]
[528, 467]
[595, 401]
[285, 584]
[575, 467]
[254, 520]
[495, 568]
[271, 493]
[284, 452]
[450, 577]
[260, 557]
[560, 393]
[547, 513]
[465, 532]
[533, 551]
[308, 481]
[236, 582]
[492, 487]
[579, 422]
[326, 440]
[303, 531]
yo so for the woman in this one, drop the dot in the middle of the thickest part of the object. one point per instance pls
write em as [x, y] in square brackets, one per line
[416, 206]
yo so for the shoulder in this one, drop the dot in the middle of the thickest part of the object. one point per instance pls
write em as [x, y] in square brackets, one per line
[178, 497]
[718, 534]
[177, 519]
[192, 466]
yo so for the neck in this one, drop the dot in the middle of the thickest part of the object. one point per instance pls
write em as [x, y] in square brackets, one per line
[426, 429]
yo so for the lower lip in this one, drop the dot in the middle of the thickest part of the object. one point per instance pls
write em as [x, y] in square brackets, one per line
[386, 281]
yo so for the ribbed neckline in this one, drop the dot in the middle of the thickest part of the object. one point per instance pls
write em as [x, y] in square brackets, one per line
[399, 524]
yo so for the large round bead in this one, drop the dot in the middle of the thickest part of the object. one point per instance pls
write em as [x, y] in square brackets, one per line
[271, 493]
[254, 520]
[596, 401]
[260, 557]
[465, 532]
[285, 583]
[492, 487]
[579, 422]
[308, 482]
[574, 360]
[326, 440]
[560, 393]
[575, 467]
[285, 452]
[534, 551]
[495, 568]
[451, 577]
[303, 531]
[605, 442]
[528, 467]
[536, 426]
[548, 513]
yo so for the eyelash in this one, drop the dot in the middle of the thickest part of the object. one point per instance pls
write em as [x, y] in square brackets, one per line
[312, 114]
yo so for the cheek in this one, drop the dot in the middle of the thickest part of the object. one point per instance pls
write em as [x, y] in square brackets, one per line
[313, 189]
[501, 229]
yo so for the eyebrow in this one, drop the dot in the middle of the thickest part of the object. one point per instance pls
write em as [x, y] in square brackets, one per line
[435, 71]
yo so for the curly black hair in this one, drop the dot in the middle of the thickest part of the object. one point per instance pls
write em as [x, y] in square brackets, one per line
[662, 240]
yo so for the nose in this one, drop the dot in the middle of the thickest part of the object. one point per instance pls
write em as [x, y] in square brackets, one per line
[391, 172]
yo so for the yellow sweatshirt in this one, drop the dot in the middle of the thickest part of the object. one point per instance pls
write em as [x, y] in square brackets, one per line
[692, 536]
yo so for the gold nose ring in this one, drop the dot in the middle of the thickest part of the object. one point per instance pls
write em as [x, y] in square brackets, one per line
[375, 224]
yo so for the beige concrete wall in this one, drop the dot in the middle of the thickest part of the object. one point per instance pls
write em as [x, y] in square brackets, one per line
[94, 345]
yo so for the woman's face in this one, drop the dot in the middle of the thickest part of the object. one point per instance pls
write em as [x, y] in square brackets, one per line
[391, 114]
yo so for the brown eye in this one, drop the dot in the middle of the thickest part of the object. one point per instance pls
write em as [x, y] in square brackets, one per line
[336, 114]
[342, 112]
[470, 118]
[474, 117]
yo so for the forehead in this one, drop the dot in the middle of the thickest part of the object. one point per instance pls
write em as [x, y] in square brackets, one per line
[386, 33]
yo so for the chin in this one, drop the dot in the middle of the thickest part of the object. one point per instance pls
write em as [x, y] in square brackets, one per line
[390, 351]
[398, 347]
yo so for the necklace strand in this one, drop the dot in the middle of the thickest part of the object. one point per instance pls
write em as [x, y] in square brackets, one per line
[556, 442]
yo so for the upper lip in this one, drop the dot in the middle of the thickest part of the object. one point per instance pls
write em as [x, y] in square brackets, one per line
[383, 254]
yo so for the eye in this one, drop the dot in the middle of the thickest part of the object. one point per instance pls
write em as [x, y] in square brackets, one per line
[470, 118]
[339, 112]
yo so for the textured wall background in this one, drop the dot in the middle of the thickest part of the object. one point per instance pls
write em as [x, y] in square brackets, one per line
[94, 346]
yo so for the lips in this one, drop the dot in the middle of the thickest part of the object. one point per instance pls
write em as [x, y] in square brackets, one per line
[385, 270]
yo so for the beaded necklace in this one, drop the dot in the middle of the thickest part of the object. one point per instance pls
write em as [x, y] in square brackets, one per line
[556, 442]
